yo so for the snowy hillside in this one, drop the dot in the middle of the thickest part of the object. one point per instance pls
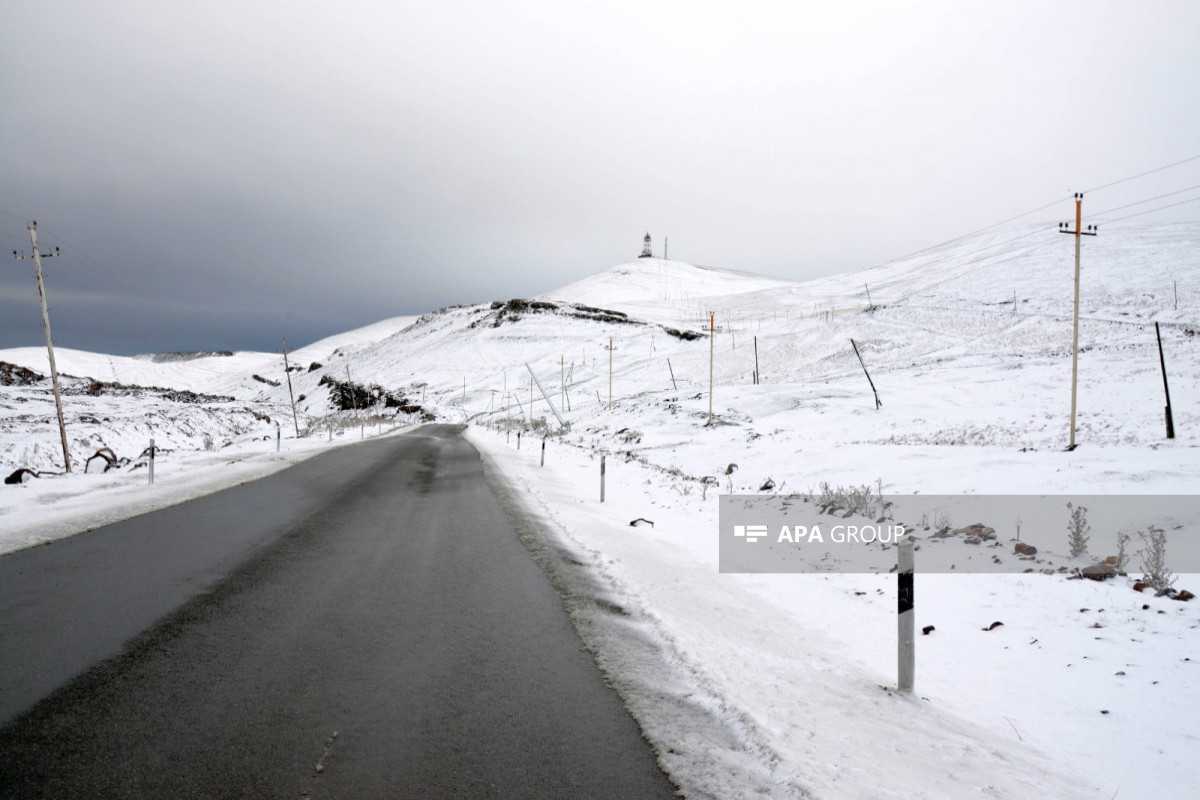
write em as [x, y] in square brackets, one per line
[969, 348]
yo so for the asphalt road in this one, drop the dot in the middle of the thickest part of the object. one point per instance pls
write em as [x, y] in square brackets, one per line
[365, 624]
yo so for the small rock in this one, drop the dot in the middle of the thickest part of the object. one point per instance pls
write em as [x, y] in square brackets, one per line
[640, 521]
[1098, 572]
[1120, 672]
[1111, 561]
[928, 629]
[1140, 587]
[993, 626]
[1023, 549]
[1184, 595]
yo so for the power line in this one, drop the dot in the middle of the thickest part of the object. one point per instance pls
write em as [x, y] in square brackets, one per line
[1152, 210]
[1141, 175]
[1147, 200]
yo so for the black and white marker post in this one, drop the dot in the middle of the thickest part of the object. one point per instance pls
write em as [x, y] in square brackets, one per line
[906, 659]
[151, 462]
[601, 479]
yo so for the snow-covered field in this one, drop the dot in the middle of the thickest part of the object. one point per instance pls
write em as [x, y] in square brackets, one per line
[1087, 689]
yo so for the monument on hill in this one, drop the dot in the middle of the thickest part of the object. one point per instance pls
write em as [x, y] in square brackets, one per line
[646, 248]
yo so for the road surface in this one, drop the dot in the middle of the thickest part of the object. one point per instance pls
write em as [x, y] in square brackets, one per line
[365, 624]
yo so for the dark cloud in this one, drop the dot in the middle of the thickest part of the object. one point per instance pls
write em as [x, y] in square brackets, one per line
[223, 174]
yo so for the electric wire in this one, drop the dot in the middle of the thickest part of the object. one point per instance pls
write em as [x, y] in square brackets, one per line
[1152, 210]
[1143, 202]
[1141, 174]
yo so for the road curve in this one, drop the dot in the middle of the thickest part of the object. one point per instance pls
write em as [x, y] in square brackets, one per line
[365, 624]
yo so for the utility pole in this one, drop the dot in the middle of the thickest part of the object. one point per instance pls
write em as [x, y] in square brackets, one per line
[1079, 232]
[712, 339]
[291, 394]
[610, 352]
[350, 388]
[37, 268]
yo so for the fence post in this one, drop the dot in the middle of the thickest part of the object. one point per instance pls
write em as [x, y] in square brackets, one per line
[906, 659]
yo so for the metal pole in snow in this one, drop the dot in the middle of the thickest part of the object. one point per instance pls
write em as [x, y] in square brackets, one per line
[278, 435]
[1163, 363]
[906, 656]
[601, 479]
[151, 461]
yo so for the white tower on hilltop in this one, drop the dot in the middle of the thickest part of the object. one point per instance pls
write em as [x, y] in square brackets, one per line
[646, 248]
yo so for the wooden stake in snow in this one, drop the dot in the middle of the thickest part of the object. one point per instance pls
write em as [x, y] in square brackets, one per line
[1163, 363]
[906, 657]
[878, 404]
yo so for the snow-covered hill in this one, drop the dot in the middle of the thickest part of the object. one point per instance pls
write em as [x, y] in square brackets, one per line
[969, 348]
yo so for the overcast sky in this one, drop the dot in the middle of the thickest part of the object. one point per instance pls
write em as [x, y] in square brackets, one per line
[223, 174]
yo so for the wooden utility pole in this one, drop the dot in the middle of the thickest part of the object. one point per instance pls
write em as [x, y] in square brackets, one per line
[291, 394]
[712, 345]
[610, 357]
[1079, 232]
[37, 268]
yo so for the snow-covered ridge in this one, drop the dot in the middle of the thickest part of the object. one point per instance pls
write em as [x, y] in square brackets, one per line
[969, 347]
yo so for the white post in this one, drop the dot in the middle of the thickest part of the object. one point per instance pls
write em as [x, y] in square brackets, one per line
[543, 452]
[278, 436]
[151, 461]
[601, 479]
[906, 658]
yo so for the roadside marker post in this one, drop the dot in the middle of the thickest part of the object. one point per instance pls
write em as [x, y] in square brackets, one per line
[601, 479]
[151, 461]
[906, 658]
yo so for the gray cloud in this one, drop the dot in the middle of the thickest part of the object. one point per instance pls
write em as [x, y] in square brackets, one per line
[223, 174]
